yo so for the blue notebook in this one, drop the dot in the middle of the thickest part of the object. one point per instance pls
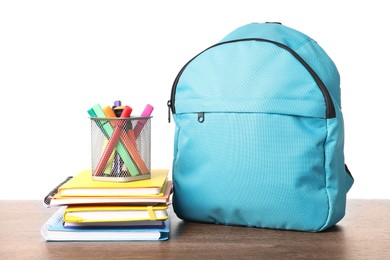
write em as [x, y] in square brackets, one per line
[54, 230]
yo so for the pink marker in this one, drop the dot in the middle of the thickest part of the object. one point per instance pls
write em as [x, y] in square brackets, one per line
[146, 113]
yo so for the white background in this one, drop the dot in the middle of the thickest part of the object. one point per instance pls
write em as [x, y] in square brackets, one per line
[59, 58]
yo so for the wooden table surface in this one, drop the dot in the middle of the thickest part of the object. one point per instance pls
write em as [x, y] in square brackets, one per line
[364, 233]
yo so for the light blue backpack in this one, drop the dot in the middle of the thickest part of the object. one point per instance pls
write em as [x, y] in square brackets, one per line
[259, 136]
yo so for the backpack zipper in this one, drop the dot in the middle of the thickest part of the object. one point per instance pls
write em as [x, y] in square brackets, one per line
[330, 110]
[200, 117]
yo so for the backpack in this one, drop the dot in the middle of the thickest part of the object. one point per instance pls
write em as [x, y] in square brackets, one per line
[259, 134]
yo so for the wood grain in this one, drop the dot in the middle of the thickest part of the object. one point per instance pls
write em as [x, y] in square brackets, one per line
[364, 233]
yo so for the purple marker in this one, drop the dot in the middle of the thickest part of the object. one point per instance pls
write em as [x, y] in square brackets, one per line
[118, 163]
[117, 103]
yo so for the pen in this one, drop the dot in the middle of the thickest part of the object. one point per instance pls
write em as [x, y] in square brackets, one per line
[55, 190]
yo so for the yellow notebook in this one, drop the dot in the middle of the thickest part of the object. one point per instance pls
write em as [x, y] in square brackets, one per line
[90, 214]
[144, 200]
[82, 185]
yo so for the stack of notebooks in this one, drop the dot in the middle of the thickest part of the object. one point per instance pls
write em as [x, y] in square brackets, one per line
[90, 210]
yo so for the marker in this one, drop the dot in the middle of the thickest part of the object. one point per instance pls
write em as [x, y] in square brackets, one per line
[146, 113]
[114, 162]
[117, 103]
[118, 162]
[113, 113]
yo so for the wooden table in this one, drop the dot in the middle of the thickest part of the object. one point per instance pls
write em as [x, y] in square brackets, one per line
[364, 233]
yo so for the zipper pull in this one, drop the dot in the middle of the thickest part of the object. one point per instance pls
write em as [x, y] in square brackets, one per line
[200, 117]
[169, 110]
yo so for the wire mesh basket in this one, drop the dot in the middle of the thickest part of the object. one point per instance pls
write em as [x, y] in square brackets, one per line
[121, 149]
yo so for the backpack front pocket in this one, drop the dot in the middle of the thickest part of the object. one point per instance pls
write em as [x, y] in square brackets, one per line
[265, 170]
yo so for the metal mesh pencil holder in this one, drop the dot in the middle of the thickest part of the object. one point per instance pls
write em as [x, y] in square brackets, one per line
[121, 149]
